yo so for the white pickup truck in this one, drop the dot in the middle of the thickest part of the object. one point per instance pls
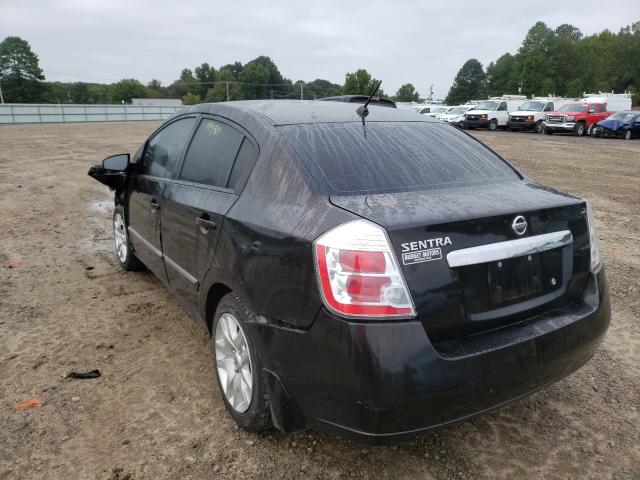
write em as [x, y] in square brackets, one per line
[530, 115]
[493, 113]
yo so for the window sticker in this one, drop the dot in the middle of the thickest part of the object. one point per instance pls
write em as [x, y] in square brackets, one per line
[214, 128]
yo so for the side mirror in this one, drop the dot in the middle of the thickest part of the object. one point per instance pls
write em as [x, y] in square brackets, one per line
[116, 163]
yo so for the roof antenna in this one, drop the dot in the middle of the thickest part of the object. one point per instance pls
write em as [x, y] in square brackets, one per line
[363, 111]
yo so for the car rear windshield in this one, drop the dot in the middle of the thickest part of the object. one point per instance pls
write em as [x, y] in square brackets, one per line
[394, 156]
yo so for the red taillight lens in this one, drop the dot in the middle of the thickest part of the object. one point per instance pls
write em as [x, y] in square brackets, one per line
[368, 262]
[366, 289]
[358, 273]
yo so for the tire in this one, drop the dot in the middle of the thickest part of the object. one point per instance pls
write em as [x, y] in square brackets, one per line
[594, 132]
[579, 129]
[230, 339]
[538, 126]
[547, 131]
[124, 253]
[627, 135]
[493, 125]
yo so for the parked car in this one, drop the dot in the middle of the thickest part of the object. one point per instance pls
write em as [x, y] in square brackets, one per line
[383, 102]
[619, 125]
[493, 113]
[437, 112]
[576, 118]
[422, 109]
[455, 115]
[530, 115]
[370, 277]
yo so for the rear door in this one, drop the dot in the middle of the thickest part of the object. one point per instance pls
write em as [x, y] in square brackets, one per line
[194, 205]
[156, 167]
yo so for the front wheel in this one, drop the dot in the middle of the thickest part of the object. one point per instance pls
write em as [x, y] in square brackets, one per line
[124, 253]
[594, 132]
[493, 125]
[539, 126]
[579, 129]
[239, 367]
[627, 135]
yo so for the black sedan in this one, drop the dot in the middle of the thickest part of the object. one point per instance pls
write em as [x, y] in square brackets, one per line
[619, 125]
[374, 277]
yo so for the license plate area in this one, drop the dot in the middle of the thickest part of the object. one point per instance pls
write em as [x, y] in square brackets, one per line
[514, 278]
[500, 283]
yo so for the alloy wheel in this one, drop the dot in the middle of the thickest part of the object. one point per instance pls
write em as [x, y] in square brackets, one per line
[233, 362]
[120, 237]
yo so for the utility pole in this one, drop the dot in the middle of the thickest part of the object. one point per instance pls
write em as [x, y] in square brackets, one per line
[227, 90]
[1, 97]
[301, 91]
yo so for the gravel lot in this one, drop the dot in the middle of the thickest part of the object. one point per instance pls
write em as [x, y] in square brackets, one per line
[156, 412]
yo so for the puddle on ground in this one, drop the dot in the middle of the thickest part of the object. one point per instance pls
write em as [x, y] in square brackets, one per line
[98, 235]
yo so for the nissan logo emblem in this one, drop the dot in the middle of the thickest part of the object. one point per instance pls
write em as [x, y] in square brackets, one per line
[519, 225]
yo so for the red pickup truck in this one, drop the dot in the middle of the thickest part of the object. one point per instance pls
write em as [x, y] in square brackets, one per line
[576, 118]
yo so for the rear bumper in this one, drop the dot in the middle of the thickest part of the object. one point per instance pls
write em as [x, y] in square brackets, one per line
[385, 382]
[476, 123]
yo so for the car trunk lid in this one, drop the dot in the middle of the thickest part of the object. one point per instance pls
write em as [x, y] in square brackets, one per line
[454, 298]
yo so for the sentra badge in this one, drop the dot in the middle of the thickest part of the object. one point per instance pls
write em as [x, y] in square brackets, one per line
[423, 250]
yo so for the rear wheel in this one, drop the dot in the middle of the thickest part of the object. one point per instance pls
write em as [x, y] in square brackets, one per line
[539, 126]
[627, 135]
[124, 253]
[493, 125]
[579, 129]
[239, 367]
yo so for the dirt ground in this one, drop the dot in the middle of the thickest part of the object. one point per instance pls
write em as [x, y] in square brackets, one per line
[156, 412]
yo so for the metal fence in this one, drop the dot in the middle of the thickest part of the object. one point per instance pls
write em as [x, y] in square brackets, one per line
[69, 113]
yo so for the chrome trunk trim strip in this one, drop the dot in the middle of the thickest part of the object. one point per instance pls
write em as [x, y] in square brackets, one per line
[509, 249]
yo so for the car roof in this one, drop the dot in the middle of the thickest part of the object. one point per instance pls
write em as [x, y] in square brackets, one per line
[295, 112]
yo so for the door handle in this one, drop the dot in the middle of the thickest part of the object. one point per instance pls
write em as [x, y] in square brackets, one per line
[206, 225]
[154, 206]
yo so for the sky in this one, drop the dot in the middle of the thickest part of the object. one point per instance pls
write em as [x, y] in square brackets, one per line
[421, 42]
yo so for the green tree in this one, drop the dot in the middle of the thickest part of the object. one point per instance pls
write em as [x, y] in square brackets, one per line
[468, 83]
[360, 83]
[322, 88]
[205, 75]
[407, 93]
[154, 89]
[499, 77]
[99, 93]
[187, 83]
[126, 90]
[20, 73]
[218, 93]
[534, 69]
[191, 99]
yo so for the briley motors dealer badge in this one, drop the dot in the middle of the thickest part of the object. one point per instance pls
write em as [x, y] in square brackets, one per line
[423, 250]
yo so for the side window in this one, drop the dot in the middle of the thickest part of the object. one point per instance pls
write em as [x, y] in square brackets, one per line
[502, 107]
[549, 107]
[592, 108]
[244, 163]
[163, 151]
[211, 154]
[602, 107]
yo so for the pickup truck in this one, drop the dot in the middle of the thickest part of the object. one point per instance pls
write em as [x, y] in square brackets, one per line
[576, 118]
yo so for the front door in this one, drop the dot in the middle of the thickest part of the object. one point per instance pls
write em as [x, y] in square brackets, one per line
[196, 203]
[157, 165]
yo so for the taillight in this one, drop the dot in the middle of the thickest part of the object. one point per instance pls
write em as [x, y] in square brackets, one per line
[593, 240]
[358, 274]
